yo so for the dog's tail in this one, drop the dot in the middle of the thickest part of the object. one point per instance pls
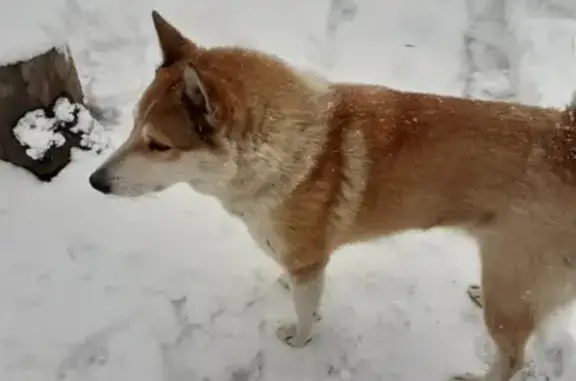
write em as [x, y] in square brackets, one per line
[569, 113]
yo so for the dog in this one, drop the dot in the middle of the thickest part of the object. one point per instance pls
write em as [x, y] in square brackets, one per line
[310, 165]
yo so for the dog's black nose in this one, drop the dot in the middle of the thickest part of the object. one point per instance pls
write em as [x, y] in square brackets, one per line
[99, 181]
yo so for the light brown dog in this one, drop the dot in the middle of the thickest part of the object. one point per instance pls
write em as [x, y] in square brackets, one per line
[310, 166]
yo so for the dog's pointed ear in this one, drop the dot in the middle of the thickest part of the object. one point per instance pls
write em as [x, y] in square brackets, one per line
[195, 90]
[172, 43]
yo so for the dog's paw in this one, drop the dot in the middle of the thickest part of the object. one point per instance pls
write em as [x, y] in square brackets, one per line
[466, 377]
[288, 334]
[475, 295]
[284, 282]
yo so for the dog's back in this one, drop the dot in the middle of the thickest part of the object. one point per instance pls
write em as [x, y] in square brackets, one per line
[431, 160]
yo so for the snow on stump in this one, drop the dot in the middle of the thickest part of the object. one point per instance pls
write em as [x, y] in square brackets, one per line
[42, 115]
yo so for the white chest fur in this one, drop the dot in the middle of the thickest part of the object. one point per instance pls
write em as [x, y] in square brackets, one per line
[262, 228]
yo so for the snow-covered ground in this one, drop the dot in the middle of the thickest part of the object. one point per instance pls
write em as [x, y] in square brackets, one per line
[170, 288]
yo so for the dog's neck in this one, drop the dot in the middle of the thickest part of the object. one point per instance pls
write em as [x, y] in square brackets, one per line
[270, 166]
[282, 145]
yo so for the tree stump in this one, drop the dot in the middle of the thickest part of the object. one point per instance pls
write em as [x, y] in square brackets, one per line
[42, 115]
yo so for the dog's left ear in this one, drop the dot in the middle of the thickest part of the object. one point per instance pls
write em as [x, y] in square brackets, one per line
[195, 90]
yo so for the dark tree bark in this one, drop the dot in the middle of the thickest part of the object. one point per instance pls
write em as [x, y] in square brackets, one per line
[32, 85]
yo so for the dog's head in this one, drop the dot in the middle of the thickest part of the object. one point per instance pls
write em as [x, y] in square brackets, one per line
[200, 109]
[182, 124]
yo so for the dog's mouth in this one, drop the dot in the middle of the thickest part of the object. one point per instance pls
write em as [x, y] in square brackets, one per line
[134, 191]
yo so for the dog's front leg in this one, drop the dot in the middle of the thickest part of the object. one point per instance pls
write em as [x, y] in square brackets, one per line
[306, 296]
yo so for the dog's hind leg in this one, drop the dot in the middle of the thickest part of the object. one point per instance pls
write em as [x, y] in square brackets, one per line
[510, 323]
[525, 278]
[509, 315]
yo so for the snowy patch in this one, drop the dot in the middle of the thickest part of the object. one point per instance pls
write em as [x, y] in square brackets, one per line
[92, 135]
[39, 132]
[31, 28]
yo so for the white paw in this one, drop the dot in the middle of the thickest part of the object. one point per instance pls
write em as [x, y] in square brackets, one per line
[465, 377]
[287, 333]
[317, 316]
[475, 295]
[284, 282]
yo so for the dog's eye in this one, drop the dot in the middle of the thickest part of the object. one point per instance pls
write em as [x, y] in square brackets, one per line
[155, 146]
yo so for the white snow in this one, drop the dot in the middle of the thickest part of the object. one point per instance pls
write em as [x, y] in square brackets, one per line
[171, 288]
[38, 133]
[32, 27]
[92, 134]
